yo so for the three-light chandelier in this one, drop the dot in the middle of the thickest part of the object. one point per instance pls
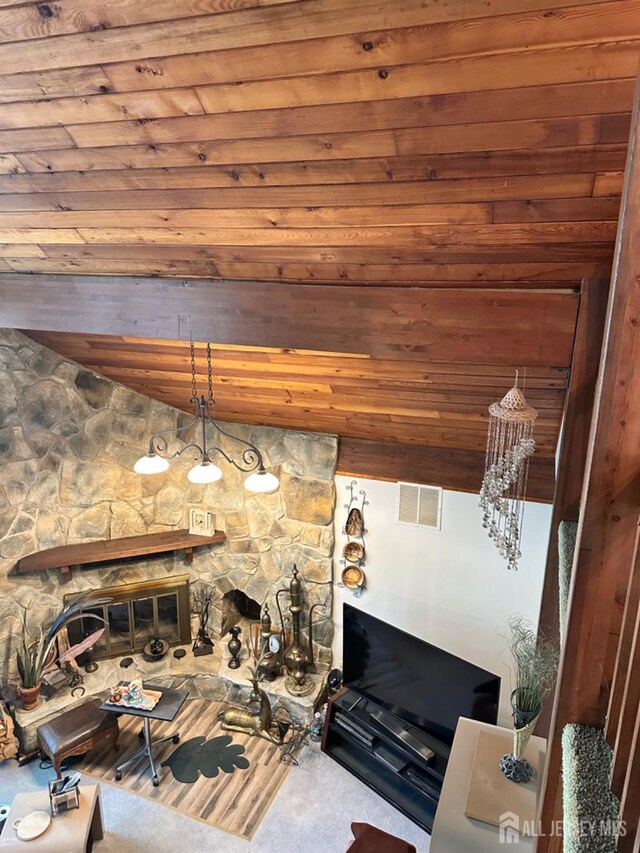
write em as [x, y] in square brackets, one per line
[248, 459]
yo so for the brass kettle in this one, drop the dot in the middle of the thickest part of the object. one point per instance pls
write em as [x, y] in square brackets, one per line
[298, 656]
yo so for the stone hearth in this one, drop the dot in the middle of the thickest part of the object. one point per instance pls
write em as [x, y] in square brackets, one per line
[206, 677]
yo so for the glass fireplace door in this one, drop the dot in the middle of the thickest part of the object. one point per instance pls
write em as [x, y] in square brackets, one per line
[138, 613]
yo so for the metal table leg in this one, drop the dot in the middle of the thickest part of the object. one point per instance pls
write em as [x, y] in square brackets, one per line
[147, 750]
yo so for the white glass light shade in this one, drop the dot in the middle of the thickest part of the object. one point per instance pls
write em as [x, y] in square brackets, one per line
[205, 472]
[261, 481]
[150, 463]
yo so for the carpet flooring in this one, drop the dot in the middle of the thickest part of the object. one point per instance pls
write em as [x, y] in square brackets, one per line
[234, 801]
[312, 813]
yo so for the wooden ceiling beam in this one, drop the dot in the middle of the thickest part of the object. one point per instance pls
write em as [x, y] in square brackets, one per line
[609, 508]
[474, 325]
[334, 175]
[28, 258]
[572, 453]
[434, 466]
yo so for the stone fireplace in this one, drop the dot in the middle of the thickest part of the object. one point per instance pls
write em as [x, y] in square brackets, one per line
[68, 442]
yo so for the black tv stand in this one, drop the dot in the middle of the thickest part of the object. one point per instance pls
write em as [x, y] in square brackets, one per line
[398, 761]
[402, 733]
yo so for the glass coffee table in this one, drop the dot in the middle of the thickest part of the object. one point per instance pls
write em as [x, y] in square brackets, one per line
[166, 710]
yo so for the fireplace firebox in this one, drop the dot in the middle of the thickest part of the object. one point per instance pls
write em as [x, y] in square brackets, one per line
[238, 608]
[137, 613]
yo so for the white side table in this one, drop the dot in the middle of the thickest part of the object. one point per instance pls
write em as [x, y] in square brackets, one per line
[452, 829]
[68, 832]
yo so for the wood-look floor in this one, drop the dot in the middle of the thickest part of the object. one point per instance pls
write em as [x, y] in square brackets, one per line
[234, 802]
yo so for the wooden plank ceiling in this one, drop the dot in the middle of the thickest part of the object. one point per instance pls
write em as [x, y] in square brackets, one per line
[378, 144]
[332, 140]
[383, 409]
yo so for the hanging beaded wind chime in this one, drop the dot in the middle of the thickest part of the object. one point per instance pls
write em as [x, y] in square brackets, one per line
[510, 444]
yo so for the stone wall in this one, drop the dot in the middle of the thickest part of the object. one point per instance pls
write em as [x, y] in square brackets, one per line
[68, 442]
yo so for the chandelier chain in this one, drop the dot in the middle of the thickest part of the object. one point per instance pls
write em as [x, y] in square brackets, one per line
[194, 387]
[209, 373]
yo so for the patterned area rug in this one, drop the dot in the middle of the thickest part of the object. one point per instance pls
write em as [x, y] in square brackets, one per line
[225, 779]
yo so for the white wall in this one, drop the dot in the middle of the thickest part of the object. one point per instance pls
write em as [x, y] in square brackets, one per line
[449, 587]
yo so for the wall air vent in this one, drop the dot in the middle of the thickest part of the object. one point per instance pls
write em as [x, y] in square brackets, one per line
[420, 506]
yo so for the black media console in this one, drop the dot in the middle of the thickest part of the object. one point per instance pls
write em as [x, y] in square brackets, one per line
[398, 761]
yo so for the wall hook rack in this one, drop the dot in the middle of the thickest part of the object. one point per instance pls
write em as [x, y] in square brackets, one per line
[354, 552]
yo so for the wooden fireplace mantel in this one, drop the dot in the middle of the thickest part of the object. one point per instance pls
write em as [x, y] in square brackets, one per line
[86, 553]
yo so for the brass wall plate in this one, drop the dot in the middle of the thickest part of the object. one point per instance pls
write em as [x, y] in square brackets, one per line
[353, 577]
[353, 552]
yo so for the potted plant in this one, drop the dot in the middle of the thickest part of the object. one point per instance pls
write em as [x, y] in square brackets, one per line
[34, 655]
[535, 663]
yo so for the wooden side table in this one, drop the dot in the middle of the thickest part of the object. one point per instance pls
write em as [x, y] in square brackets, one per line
[70, 832]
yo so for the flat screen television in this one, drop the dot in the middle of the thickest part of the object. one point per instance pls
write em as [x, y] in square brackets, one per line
[417, 681]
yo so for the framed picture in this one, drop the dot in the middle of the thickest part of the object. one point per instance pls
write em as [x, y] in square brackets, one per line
[201, 522]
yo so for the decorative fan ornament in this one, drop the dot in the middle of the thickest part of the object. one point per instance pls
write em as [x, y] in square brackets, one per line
[75, 651]
[510, 444]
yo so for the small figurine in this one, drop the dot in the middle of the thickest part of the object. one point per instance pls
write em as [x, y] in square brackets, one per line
[157, 646]
[135, 693]
[235, 647]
